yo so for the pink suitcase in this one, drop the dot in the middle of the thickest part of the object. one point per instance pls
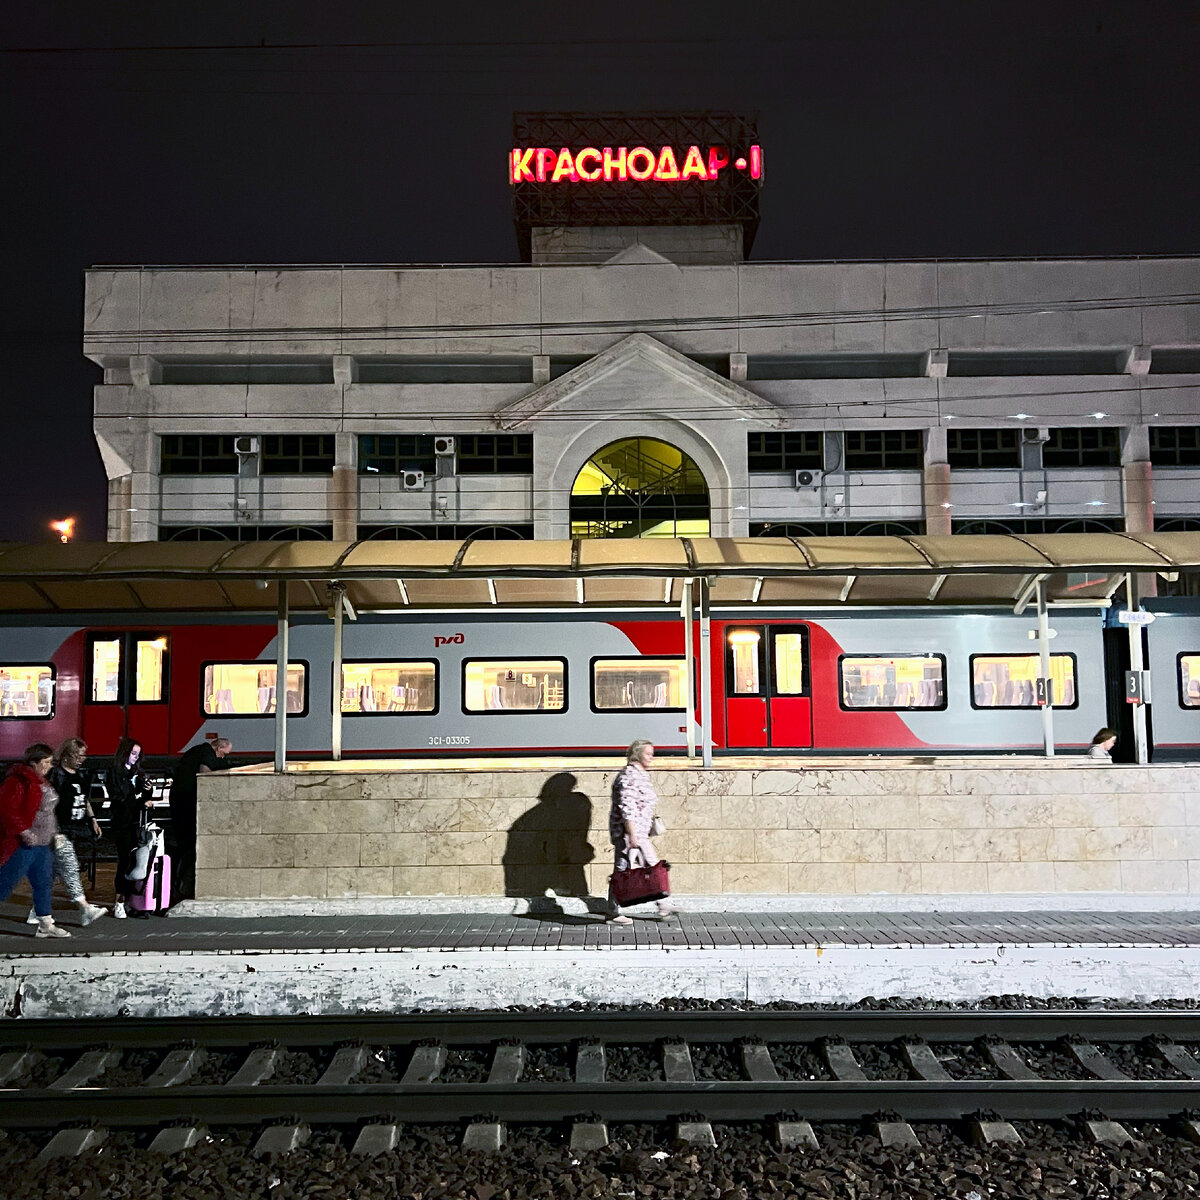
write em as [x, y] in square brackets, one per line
[155, 897]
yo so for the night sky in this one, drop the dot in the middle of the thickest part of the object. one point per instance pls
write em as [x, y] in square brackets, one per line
[356, 132]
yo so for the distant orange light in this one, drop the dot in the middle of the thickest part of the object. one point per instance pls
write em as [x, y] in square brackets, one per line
[64, 528]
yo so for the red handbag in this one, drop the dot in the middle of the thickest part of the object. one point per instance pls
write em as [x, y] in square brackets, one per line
[636, 885]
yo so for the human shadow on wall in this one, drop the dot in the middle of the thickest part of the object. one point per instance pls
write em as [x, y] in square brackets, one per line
[547, 847]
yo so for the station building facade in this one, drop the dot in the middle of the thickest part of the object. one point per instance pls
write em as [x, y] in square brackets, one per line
[635, 375]
[616, 386]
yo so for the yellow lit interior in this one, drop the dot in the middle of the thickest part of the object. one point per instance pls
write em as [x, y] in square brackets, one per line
[914, 682]
[248, 689]
[106, 671]
[743, 644]
[789, 664]
[640, 683]
[1008, 681]
[515, 684]
[149, 669]
[389, 687]
[26, 691]
[1189, 680]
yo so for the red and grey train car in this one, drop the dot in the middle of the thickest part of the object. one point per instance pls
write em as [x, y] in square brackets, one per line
[488, 682]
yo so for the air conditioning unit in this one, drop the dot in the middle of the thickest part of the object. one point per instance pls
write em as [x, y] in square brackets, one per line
[809, 479]
[1031, 436]
[414, 481]
[245, 446]
[443, 447]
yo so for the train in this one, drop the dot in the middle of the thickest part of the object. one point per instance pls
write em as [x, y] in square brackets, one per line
[496, 682]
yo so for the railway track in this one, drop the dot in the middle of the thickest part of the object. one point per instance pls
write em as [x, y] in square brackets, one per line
[591, 1068]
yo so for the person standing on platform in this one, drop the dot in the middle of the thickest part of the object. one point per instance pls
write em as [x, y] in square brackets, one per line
[631, 820]
[77, 825]
[1102, 744]
[201, 759]
[27, 828]
[130, 796]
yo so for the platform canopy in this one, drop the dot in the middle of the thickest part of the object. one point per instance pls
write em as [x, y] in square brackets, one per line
[223, 576]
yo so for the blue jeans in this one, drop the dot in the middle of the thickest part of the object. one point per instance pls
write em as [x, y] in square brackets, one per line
[36, 863]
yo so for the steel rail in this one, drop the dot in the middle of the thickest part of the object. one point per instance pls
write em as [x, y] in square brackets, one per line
[542, 1028]
[915, 1100]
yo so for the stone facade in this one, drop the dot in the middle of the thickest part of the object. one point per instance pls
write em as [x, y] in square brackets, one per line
[984, 828]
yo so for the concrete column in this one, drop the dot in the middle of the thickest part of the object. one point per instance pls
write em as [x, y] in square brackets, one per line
[737, 367]
[343, 488]
[120, 500]
[937, 483]
[1134, 361]
[1137, 491]
[935, 364]
[344, 369]
[144, 370]
[541, 369]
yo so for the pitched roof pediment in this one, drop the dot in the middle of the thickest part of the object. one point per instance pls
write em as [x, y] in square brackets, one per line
[639, 377]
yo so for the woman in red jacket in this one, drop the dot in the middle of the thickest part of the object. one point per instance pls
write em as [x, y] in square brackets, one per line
[27, 829]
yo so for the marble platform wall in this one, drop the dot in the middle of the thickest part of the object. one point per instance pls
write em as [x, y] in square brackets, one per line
[1029, 827]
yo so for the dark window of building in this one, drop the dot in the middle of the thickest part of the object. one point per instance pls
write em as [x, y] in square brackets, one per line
[969, 449]
[795, 451]
[1175, 445]
[394, 453]
[884, 450]
[833, 366]
[494, 454]
[245, 533]
[1033, 362]
[1175, 362]
[447, 533]
[198, 454]
[193, 371]
[297, 454]
[836, 528]
[446, 368]
[1010, 525]
[1082, 448]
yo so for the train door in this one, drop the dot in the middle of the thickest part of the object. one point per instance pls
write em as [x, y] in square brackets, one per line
[125, 691]
[767, 699]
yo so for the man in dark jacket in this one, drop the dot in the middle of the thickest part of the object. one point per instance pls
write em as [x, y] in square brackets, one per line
[201, 759]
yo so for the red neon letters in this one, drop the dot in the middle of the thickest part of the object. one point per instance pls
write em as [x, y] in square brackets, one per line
[541, 164]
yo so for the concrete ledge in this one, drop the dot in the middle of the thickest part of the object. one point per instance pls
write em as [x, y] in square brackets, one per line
[288, 982]
[580, 906]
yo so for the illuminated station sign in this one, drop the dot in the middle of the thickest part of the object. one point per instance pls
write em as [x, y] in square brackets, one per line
[635, 168]
[542, 164]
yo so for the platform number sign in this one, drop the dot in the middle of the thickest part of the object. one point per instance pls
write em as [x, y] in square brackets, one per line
[1134, 690]
[1043, 692]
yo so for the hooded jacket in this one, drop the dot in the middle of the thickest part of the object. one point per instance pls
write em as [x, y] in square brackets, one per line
[20, 799]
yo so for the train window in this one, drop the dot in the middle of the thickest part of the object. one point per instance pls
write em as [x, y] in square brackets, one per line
[514, 685]
[150, 661]
[247, 689]
[106, 671]
[789, 664]
[744, 663]
[632, 684]
[389, 687]
[27, 691]
[1189, 680]
[891, 681]
[1010, 680]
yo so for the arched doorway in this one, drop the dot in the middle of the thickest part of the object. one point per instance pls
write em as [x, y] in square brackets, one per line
[639, 487]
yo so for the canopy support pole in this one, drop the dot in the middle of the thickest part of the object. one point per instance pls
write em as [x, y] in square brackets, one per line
[705, 676]
[1043, 638]
[1141, 743]
[337, 592]
[689, 671]
[281, 679]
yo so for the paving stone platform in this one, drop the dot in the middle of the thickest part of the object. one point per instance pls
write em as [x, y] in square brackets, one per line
[194, 965]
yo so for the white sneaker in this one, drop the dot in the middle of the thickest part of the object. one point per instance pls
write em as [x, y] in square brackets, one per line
[119, 911]
[620, 920]
[47, 928]
[90, 913]
[32, 918]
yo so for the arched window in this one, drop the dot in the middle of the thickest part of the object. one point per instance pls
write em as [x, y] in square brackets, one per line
[639, 487]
